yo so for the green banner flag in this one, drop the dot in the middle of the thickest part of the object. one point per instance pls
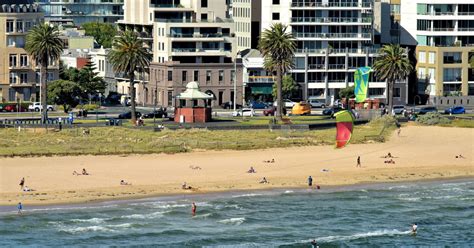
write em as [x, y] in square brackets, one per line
[361, 83]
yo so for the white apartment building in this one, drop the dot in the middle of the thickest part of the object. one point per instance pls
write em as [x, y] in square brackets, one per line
[443, 31]
[334, 37]
[191, 40]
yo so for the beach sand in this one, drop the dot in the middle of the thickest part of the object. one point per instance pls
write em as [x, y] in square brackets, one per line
[421, 153]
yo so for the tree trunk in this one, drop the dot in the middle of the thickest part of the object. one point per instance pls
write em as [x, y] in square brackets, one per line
[279, 94]
[44, 94]
[390, 96]
[132, 98]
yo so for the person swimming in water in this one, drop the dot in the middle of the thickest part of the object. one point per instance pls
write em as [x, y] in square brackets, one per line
[193, 209]
[414, 228]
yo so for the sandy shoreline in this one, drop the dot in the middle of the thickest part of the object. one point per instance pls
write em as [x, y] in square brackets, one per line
[422, 153]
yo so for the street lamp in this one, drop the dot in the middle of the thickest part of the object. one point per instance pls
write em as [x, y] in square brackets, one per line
[235, 83]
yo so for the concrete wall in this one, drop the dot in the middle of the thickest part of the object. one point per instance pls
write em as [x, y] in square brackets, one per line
[449, 101]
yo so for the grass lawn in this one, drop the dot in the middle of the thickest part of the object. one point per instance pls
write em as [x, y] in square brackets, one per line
[123, 140]
[460, 123]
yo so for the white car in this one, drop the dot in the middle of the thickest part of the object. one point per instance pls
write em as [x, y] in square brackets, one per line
[288, 103]
[246, 112]
[36, 106]
[316, 103]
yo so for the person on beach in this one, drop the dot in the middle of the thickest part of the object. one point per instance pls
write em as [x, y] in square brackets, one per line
[185, 186]
[399, 131]
[22, 183]
[74, 173]
[414, 228]
[264, 180]
[314, 244]
[251, 170]
[122, 182]
[358, 162]
[84, 172]
[193, 209]
[20, 207]
[310, 181]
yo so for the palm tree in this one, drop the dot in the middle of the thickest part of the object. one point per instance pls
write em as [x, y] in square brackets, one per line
[44, 46]
[128, 56]
[278, 49]
[392, 65]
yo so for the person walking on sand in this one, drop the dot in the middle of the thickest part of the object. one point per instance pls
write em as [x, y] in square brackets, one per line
[399, 131]
[358, 162]
[193, 209]
[20, 207]
[310, 181]
[22, 183]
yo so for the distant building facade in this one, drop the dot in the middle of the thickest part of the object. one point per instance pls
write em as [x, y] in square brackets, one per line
[19, 75]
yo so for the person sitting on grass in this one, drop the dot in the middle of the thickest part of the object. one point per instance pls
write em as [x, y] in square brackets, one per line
[251, 170]
[122, 182]
[264, 180]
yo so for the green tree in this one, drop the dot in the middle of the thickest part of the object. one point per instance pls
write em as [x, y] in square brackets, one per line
[90, 83]
[45, 46]
[103, 33]
[278, 49]
[288, 87]
[392, 65]
[129, 56]
[471, 61]
[347, 93]
[65, 93]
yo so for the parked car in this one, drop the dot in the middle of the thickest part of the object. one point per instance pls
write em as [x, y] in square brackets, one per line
[36, 106]
[247, 112]
[425, 110]
[128, 115]
[286, 102]
[315, 103]
[14, 108]
[271, 111]
[301, 108]
[230, 105]
[258, 105]
[456, 110]
[332, 110]
[159, 113]
[398, 109]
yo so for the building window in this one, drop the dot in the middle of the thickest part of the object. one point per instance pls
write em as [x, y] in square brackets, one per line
[203, 3]
[23, 60]
[452, 74]
[276, 2]
[421, 73]
[13, 60]
[208, 76]
[26, 94]
[376, 91]
[422, 57]
[50, 76]
[221, 76]
[431, 73]
[431, 57]
[204, 17]
[10, 24]
[452, 58]
[184, 76]
[196, 76]
[275, 16]
[170, 75]
[13, 77]
[396, 92]
[19, 26]
[11, 95]
[23, 78]
[170, 98]
[232, 76]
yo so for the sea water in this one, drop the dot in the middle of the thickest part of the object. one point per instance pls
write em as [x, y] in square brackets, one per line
[364, 216]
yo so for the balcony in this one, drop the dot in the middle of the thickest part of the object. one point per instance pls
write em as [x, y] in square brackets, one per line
[199, 52]
[333, 20]
[261, 79]
[330, 5]
[326, 36]
[333, 51]
[211, 36]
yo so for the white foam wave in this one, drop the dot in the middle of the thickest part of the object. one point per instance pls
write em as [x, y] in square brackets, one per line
[289, 192]
[202, 216]
[377, 233]
[412, 199]
[232, 221]
[153, 215]
[97, 228]
[246, 195]
[93, 220]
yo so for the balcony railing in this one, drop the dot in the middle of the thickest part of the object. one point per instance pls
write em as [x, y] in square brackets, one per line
[339, 51]
[261, 79]
[325, 5]
[332, 19]
[184, 20]
[195, 50]
[195, 35]
[332, 35]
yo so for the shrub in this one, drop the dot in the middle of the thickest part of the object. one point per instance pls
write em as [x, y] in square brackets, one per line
[432, 119]
[88, 107]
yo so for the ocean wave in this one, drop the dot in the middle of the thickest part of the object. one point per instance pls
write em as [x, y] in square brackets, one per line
[97, 228]
[202, 216]
[377, 233]
[93, 220]
[247, 195]
[289, 192]
[232, 221]
[153, 215]
[412, 199]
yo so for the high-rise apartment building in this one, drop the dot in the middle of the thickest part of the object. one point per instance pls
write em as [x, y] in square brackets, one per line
[334, 37]
[247, 17]
[81, 11]
[191, 40]
[443, 31]
[19, 76]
